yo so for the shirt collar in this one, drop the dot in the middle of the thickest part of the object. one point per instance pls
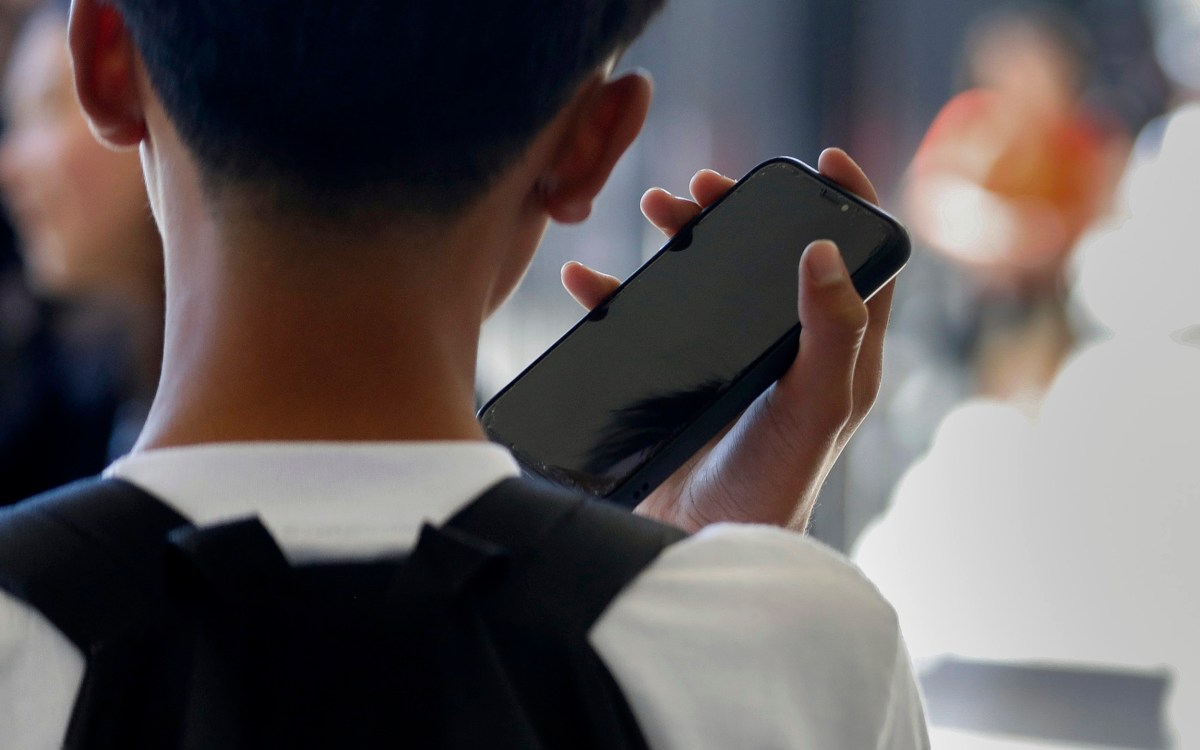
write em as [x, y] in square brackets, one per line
[322, 500]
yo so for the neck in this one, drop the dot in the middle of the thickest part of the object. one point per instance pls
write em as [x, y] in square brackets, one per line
[278, 333]
[143, 318]
[140, 305]
[281, 330]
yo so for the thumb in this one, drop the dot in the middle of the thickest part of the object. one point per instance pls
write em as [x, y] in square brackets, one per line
[833, 320]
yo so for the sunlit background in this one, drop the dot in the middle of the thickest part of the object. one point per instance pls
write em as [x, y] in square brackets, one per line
[1026, 490]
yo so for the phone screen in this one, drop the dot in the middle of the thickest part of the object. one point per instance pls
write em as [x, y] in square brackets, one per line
[679, 333]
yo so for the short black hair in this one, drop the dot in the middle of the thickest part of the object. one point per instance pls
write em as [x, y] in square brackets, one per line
[336, 105]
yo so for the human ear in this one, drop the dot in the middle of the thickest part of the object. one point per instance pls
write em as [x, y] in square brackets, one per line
[105, 62]
[606, 125]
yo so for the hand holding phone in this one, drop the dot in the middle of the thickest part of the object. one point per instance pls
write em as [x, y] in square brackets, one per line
[769, 465]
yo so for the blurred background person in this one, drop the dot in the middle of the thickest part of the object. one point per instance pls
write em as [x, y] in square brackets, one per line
[1016, 167]
[1009, 175]
[1060, 541]
[1066, 542]
[82, 367]
[1009, 96]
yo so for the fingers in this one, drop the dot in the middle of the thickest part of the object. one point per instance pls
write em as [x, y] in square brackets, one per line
[879, 307]
[707, 187]
[669, 213]
[587, 286]
[868, 373]
[665, 211]
[837, 165]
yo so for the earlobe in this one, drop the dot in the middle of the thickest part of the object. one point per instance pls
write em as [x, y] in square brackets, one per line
[106, 73]
[607, 125]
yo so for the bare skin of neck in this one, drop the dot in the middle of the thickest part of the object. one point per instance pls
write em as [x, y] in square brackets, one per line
[278, 331]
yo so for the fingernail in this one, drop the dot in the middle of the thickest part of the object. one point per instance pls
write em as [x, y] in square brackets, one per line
[825, 264]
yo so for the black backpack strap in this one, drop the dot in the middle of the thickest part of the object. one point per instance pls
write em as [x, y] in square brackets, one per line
[89, 557]
[602, 547]
[520, 576]
[479, 637]
[570, 557]
[339, 654]
[79, 555]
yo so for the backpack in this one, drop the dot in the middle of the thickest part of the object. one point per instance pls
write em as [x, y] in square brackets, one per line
[208, 638]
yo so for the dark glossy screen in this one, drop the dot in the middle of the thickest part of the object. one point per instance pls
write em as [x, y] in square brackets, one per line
[680, 331]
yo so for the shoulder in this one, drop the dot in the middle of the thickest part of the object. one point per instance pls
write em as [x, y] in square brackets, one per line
[58, 570]
[40, 672]
[754, 619]
[776, 576]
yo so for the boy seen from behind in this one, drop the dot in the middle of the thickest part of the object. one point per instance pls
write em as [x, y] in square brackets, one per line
[345, 192]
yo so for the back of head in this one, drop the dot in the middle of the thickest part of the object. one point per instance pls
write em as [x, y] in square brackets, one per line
[333, 107]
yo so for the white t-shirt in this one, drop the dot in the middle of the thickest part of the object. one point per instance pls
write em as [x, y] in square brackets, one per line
[739, 636]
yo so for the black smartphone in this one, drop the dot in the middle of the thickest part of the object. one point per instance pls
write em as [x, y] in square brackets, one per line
[691, 339]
